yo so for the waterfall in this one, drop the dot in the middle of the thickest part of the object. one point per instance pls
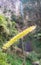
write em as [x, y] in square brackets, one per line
[18, 7]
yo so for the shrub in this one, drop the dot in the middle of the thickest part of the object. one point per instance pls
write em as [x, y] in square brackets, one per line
[3, 58]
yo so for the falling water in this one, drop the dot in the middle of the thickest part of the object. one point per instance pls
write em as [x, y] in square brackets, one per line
[19, 7]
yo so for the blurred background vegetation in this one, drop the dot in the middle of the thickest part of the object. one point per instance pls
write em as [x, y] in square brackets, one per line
[11, 25]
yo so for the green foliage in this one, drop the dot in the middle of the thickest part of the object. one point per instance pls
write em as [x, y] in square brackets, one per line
[8, 59]
[33, 56]
[13, 61]
[7, 29]
[3, 59]
[17, 61]
[37, 41]
[28, 62]
[3, 24]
